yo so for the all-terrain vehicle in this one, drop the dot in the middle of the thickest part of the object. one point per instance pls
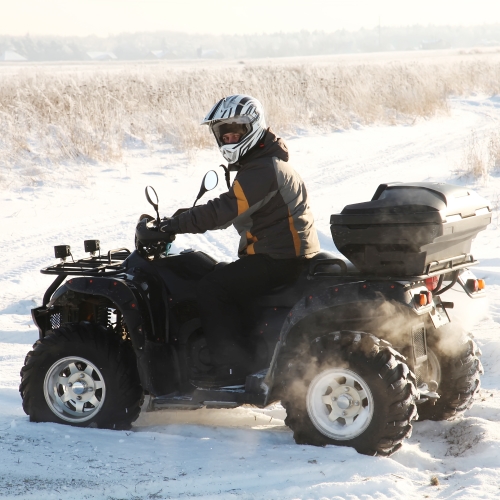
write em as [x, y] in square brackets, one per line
[353, 350]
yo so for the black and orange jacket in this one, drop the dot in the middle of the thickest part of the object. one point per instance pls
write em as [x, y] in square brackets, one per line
[267, 204]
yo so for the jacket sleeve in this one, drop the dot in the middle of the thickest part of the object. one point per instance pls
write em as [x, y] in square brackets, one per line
[251, 189]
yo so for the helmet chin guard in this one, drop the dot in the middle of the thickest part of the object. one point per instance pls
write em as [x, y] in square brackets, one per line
[237, 112]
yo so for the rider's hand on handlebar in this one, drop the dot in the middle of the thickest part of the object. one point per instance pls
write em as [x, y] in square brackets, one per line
[170, 226]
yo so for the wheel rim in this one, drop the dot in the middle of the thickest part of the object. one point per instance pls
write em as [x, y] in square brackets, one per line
[74, 389]
[340, 403]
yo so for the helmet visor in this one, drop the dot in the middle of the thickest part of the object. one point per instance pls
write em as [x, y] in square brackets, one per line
[225, 130]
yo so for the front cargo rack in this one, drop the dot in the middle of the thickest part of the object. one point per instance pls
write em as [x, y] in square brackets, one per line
[97, 265]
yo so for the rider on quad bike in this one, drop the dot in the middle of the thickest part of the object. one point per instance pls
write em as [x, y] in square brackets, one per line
[267, 204]
[349, 346]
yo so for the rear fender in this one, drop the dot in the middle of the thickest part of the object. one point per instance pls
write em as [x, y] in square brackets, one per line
[384, 309]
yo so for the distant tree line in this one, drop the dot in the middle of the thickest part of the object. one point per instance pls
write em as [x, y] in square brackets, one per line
[130, 46]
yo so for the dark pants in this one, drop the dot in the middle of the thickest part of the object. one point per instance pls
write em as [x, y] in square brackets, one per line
[221, 295]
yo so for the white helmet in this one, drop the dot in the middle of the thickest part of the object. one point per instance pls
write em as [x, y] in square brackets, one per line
[239, 113]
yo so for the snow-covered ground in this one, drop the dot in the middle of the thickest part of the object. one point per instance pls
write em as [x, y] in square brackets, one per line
[242, 453]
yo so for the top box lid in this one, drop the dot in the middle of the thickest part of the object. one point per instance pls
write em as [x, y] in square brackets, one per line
[423, 202]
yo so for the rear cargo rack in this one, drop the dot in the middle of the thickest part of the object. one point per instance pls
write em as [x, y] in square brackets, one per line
[435, 268]
[100, 265]
[448, 265]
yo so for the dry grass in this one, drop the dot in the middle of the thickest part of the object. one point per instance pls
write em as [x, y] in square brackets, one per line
[474, 157]
[494, 150]
[481, 156]
[49, 118]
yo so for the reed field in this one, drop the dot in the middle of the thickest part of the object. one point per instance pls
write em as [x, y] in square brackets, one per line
[51, 117]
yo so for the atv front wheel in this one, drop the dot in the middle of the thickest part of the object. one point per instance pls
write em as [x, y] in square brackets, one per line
[354, 392]
[82, 375]
[453, 360]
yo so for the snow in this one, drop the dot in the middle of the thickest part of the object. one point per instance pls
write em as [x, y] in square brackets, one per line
[246, 452]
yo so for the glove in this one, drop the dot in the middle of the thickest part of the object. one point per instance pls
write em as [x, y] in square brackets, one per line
[169, 225]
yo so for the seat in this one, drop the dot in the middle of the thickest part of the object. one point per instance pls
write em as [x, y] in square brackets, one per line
[288, 295]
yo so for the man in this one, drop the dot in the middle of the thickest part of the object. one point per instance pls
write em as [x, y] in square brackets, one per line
[267, 204]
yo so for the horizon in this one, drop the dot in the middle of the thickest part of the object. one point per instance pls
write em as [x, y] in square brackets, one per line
[270, 33]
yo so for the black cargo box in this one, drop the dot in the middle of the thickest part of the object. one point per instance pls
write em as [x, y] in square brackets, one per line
[408, 229]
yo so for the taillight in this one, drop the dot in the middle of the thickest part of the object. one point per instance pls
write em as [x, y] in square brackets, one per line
[424, 298]
[472, 285]
[431, 283]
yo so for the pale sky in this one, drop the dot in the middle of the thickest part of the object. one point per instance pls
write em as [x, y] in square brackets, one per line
[104, 17]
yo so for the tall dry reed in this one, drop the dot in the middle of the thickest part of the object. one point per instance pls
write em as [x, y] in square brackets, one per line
[49, 118]
[480, 155]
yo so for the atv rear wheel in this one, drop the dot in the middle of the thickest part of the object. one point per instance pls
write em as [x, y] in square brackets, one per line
[347, 398]
[457, 372]
[82, 375]
[354, 392]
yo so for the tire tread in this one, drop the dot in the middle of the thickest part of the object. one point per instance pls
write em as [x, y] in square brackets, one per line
[388, 364]
[122, 407]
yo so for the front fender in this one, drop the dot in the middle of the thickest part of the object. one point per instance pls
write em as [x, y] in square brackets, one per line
[117, 291]
[156, 360]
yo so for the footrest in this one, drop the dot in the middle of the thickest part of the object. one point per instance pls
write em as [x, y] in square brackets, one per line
[254, 383]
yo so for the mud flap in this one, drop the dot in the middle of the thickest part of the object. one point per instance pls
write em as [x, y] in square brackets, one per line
[159, 368]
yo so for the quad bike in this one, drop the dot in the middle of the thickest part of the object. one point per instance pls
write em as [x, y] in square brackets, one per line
[352, 349]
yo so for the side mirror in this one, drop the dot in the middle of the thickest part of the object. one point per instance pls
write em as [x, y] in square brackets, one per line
[150, 195]
[209, 182]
